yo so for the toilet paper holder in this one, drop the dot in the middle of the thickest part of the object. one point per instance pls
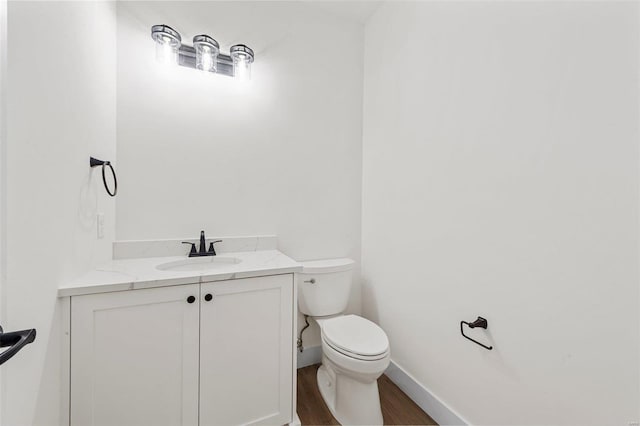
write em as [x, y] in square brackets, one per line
[479, 322]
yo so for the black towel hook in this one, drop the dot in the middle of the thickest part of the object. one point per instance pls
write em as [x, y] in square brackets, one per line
[480, 322]
[94, 162]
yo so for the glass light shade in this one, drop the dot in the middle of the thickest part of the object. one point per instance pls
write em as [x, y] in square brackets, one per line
[168, 42]
[242, 57]
[207, 50]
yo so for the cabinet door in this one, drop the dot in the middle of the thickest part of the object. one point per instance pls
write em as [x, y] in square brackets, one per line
[134, 358]
[246, 351]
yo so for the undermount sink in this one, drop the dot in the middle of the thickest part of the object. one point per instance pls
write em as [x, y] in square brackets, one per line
[198, 264]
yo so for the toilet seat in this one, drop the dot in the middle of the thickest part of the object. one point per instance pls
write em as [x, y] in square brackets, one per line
[355, 337]
[356, 357]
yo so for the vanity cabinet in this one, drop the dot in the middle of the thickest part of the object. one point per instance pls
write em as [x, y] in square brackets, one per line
[218, 353]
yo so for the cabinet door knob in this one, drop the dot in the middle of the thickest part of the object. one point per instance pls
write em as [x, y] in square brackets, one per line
[312, 281]
[191, 299]
[208, 297]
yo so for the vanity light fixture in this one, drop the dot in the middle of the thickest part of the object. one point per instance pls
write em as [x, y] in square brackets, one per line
[203, 55]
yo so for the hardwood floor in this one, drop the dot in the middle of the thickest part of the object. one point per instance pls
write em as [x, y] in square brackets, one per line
[397, 408]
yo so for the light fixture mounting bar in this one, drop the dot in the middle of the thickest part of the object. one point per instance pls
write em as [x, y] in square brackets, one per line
[187, 58]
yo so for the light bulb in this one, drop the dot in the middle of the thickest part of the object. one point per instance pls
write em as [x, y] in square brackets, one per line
[166, 54]
[242, 70]
[207, 63]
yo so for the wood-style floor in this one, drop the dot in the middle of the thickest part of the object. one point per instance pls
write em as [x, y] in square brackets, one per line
[397, 408]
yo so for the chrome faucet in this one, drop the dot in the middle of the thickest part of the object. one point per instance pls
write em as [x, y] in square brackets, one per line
[203, 250]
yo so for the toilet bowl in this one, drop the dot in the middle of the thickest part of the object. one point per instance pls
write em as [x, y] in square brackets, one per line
[355, 351]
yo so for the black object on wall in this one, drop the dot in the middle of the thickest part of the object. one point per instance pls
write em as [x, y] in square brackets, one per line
[480, 322]
[94, 162]
[15, 340]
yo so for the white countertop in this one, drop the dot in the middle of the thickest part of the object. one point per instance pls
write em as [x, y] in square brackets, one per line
[133, 274]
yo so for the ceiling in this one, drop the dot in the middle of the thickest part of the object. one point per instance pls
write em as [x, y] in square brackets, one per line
[355, 10]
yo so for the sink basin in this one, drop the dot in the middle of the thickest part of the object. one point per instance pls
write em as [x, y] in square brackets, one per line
[199, 264]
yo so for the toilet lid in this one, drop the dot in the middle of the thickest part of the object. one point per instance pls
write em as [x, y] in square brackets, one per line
[355, 335]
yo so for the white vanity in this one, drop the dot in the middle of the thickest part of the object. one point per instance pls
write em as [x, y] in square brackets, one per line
[170, 341]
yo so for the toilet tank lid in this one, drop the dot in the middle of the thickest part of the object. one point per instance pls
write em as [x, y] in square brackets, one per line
[327, 266]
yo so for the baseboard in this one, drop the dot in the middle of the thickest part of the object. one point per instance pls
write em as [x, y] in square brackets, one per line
[296, 421]
[430, 403]
[311, 355]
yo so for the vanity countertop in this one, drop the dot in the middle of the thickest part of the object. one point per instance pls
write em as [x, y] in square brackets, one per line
[133, 274]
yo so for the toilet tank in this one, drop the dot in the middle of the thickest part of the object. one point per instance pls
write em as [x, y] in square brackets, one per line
[324, 286]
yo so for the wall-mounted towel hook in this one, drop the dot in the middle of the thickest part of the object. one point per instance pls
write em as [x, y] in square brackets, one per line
[480, 322]
[94, 162]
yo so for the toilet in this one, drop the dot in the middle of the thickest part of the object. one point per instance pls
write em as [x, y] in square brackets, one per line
[355, 351]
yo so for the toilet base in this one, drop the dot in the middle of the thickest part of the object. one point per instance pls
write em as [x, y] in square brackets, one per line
[350, 401]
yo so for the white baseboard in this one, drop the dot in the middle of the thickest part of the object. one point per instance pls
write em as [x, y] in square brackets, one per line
[311, 355]
[430, 403]
[296, 421]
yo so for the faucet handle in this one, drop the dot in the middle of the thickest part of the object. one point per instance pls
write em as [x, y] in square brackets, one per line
[211, 248]
[193, 247]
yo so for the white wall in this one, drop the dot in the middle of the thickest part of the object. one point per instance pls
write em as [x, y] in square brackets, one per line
[61, 110]
[501, 179]
[280, 155]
